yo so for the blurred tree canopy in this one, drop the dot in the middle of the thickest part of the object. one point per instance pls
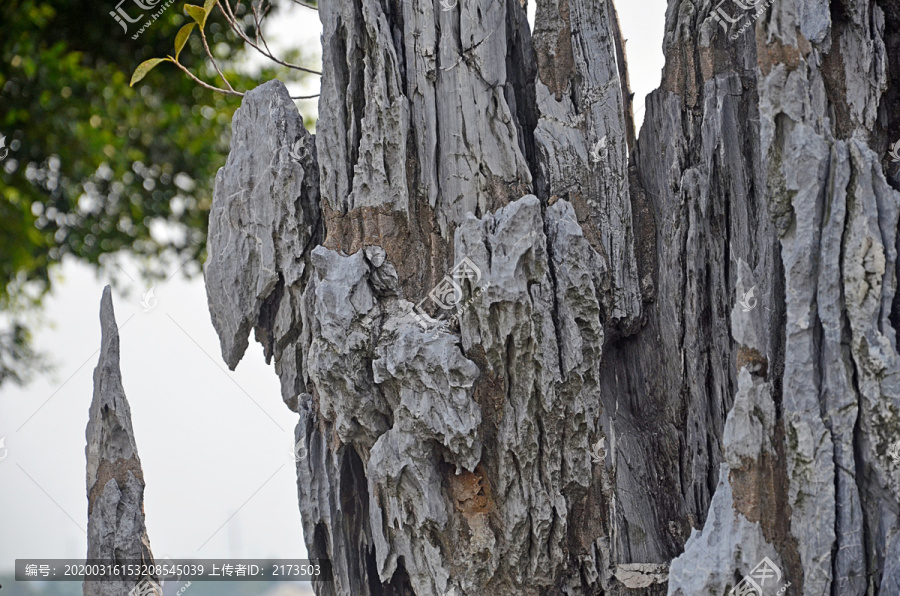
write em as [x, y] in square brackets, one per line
[94, 166]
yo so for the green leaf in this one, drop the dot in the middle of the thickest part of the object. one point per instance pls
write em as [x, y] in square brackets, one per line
[197, 13]
[144, 67]
[209, 5]
[183, 34]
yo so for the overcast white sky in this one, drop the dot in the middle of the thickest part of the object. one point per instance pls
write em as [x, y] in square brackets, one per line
[215, 445]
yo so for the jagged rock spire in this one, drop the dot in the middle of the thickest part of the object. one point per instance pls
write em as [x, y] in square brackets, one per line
[115, 482]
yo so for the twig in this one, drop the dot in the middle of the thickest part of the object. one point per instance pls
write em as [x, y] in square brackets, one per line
[259, 33]
[207, 85]
[232, 21]
[259, 20]
[213, 60]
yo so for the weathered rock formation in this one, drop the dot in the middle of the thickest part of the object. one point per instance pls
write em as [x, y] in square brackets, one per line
[474, 273]
[115, 482]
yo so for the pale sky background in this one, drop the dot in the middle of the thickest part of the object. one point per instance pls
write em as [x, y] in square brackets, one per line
[215, 445]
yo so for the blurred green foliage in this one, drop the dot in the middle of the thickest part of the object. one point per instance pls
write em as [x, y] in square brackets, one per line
[95, 166]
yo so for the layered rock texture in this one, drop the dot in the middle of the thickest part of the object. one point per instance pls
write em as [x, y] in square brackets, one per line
[532, 354]
[116, 530]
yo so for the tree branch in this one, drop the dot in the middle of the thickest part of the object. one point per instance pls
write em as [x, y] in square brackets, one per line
[207, 85]
[232, 21]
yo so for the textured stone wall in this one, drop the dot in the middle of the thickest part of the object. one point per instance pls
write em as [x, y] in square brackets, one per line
[665, 358]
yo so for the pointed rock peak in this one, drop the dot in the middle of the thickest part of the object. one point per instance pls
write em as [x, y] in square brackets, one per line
[107, 314]
[115, 481]
[109, 329]
[110, 436]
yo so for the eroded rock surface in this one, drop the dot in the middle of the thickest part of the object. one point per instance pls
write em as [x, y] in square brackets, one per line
[264, 220]
[531, 354]
[816, 486]
[115, 481]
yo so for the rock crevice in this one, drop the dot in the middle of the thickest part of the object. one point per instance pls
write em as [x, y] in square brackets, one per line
[531, 354]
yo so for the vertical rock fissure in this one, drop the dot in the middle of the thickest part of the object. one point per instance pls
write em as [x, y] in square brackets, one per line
[676, 360]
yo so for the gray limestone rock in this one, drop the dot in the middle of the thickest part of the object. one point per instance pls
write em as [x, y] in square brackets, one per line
[716, 558]
[265, 217]
[533, 354]
[115, 481]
